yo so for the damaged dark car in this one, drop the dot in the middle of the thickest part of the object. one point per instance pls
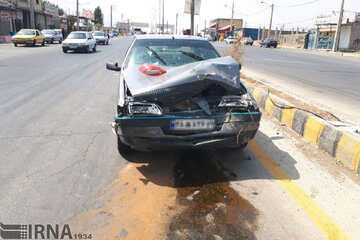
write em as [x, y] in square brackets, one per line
[177, 92]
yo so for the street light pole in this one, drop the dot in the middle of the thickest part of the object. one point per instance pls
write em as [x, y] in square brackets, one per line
[163, 13]
[176, 26]
[272, 11]
[271, 17]
[231, 22]
[111, 18]
[77, 15]
[159, 16]
[32, 15]
[192, 17]
[338, 28]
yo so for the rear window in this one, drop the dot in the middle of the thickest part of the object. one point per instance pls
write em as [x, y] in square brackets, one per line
[170, 52]
[77, 36]
[98, 34]
[47, 32]
[26, 32]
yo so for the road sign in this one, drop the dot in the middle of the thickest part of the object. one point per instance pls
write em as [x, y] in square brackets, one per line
[188, 7]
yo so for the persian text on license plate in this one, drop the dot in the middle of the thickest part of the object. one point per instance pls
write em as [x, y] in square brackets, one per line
[192, 124]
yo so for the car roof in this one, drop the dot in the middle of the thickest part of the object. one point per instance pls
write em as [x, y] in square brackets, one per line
[28, 29]
[164, 37]
[48, 30]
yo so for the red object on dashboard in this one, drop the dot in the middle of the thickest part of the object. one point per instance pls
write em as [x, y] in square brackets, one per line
[152, 70]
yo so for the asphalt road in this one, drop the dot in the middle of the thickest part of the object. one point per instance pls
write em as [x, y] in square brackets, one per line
[328, 81]
[59, 164]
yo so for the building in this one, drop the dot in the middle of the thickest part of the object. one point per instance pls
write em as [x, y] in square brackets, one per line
[15, 15]
[222, 25]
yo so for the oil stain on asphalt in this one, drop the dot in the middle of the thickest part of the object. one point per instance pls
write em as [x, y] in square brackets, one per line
[212, 209]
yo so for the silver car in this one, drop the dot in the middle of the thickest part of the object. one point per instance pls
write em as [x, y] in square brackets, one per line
[52, 35]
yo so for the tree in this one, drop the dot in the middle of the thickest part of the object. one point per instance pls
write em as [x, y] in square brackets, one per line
[98, 15]
[60, 11]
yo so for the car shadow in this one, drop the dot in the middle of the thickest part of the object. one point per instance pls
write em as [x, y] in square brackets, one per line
[31, 46]
[195, 168]
[82, 52]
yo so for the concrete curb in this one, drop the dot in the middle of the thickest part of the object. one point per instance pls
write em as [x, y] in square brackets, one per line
[339, 143]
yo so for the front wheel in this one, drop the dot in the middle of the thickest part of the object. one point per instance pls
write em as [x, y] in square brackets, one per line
[87, 49]
[43, 43]
[94, 49]
[60, 41]
[15, 44]
[34, 43]
[122, 148]
[65, 50]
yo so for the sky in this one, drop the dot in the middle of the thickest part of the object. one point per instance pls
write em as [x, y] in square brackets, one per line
[287, 13]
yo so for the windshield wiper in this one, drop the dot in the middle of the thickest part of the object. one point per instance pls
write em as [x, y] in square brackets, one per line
[192, 55]
[157, 56]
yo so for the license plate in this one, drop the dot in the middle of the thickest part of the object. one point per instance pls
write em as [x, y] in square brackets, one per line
[192, 124]
[72, 45]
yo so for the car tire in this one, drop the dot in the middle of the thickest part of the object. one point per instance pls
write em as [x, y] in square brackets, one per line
[87, 49]
[94, 49]
[43, 43]
[275, 46]
[34, 43]
[107, 42]
[60, 41]
[52, 41]
[123, 148]
[15, 44]
[65, 50]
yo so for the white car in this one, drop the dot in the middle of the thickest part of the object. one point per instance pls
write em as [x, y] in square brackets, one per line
[101, 37]
[79, 41]
[230, 40]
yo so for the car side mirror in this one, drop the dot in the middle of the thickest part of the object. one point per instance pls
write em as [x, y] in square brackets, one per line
[113, 67]
[89, 38]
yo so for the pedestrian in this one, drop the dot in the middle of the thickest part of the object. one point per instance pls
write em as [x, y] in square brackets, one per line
[63, 33]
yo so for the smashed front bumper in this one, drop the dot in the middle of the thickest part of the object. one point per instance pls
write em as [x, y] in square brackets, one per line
[153, 133]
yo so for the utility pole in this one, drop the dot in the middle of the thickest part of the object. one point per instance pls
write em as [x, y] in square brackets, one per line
[231, 21]
[163, 14]
[338, 28]
[258, 36]
[77, 15]
[159, 16]
[192, 17]
[272, 11]
[111, 18]
[32, 16]
[176, 24]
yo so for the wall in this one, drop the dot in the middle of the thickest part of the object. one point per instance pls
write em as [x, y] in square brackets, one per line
[354, 43]
[293, 40]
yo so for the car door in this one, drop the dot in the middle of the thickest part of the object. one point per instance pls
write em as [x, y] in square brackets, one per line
[38, 37]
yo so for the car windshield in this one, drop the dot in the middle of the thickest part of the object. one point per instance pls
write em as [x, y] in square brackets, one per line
[170, 52]
[26, 32]
[47, 32]
[77, 36]
[98, 34]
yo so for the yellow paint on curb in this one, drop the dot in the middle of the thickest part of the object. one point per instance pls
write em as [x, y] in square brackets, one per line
[317, 215]
[256, 94]
[288, 116]
[269, 106]
[313, 129]
[348, 152]
[246, 84]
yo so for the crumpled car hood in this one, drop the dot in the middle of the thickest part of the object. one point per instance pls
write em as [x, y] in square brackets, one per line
[184, 81]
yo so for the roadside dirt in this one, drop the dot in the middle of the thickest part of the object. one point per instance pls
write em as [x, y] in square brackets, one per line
[293, 101]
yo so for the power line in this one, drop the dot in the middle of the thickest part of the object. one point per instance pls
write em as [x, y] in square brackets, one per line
[298, 5]
[251, 14]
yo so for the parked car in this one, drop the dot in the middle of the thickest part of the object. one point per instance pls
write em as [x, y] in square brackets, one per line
[177, 92]
[115, 33]
[101, 37]
[230, 40]
[51, 36]
[59, 31]
[28, 36]
[247, 41]
[268, 42]
[79, 41]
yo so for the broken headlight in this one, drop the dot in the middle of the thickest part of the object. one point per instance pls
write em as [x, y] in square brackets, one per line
[244, 101]
[148, 109]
